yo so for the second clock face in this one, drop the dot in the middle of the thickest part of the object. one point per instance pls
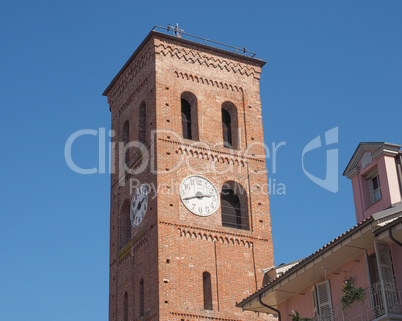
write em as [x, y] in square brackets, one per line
[199, 195]
[139, 205]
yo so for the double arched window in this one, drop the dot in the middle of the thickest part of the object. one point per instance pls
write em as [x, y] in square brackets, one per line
[234, 206]
[189, 120]
[142, 132]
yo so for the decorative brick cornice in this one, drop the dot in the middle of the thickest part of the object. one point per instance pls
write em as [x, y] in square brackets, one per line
[135, 92]
[210, 154]
[208, 81]
[195, 56]
[132, 247]
[214, 235]
[192, 152]
[193, 317]
[130, 73]
[125, 252]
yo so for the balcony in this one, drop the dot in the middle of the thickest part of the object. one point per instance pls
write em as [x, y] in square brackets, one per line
[382, 302]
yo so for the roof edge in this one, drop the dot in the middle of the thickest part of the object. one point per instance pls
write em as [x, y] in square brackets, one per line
[387, 226]
[260, 62]
[351, 170]
[114, 80]
[306, 261]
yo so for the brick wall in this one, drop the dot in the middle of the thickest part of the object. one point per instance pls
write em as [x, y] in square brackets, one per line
[172, 248]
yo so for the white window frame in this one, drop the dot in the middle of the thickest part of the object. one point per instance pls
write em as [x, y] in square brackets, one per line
[375, 193]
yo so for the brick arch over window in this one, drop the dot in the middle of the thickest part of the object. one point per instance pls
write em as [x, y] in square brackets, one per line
[207, 290]
[189, 115]
[124, 224]
[230, 125]
[126, 140]
[142, 123]
[234, 206]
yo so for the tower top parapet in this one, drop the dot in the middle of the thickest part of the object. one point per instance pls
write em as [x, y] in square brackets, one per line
[179, 32]
[191, 40]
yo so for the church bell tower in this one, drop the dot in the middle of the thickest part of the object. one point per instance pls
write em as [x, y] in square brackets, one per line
[190, 229]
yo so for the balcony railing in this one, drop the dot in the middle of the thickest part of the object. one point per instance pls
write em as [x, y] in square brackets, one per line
[382, 299]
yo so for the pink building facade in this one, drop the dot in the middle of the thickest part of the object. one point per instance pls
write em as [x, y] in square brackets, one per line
[373, 170]
[368, 257]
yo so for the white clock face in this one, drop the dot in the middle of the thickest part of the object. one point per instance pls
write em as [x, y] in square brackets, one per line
[199, 195]
[139, 205]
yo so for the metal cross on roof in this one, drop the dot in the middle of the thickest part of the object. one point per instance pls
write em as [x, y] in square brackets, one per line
[175, 30]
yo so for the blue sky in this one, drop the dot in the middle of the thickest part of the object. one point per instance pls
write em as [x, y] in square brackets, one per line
[329, 64]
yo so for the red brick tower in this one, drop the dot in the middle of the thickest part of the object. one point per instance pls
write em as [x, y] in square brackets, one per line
[196, 184]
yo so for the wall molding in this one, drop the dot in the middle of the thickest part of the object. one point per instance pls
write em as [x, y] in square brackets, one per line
[216, 235]
[131, 73]
[133, 246]
[195, 56]
[200, 317]
[131, 97]
[211, 154]
[207, 81]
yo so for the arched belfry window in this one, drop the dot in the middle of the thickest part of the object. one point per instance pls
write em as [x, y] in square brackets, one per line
[142, 123]
[230, 125]
[234, 206]
[142, 298]
[186, 119]
[126, 140]
[189, 115]
[125, 224]
[227, 129]
[207, 290]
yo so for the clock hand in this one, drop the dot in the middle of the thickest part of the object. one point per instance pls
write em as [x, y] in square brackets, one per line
[189, 197]
[197, 196]
[140, 203]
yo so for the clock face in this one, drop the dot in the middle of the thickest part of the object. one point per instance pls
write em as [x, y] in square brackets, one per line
[139, 205]
[199, 195]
